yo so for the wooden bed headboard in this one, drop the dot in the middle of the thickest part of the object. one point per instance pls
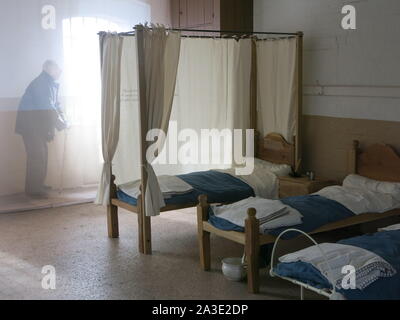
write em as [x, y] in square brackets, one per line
[379, 162]
[274, 148]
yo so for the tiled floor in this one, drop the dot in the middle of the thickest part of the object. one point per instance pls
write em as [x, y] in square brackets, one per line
[91, 266]
[55, 198]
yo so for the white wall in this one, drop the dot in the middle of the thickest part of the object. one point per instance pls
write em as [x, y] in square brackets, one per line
[160, 11]
[347, 73]
[25, 45]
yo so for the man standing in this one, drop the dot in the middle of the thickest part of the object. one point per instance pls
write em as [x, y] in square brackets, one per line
[39, 114]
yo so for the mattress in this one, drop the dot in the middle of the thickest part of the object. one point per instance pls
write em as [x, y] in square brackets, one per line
[218, 186]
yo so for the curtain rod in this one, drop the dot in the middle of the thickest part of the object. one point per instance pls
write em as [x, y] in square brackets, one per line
[237, 38]
[221, 31]
[230, 31]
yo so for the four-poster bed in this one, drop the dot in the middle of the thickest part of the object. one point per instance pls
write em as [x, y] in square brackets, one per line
[273, 147]
[377, 162]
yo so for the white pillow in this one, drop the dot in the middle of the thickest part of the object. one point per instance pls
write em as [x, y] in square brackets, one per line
[278, 169]
[390, 228]
[359, 182]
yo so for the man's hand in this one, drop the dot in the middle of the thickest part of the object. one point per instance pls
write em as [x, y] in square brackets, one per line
[61, 122]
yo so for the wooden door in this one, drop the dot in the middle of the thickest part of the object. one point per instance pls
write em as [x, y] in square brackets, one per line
[195, 13]
[175, 13]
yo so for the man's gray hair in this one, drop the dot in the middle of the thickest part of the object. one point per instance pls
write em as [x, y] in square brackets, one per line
[48, 64]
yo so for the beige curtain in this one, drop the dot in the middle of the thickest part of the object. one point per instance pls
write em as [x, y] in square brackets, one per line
[239, 84]
[213, 92]
[276, 60]
[111, 50]
[160, 57]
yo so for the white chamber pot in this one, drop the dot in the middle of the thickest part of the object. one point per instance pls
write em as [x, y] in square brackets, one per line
[233, 269]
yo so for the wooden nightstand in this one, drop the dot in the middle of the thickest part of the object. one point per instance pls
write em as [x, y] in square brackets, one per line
[291, 187]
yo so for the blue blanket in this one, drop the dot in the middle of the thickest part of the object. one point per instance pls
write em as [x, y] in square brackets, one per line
[219, 187]
[384, 244]
[316, 210]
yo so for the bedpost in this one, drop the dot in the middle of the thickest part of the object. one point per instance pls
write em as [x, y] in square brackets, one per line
[112, 211]
[144, 221]
[144, 227]
[147, 235]
[203, 236]
[253, 95]
[252, 250]
[299, 113]
[353, 155]
[253, 86]
[140, 224]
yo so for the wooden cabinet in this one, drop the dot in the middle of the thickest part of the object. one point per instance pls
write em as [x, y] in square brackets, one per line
[195, 13]
[212, 14]
[291, 187]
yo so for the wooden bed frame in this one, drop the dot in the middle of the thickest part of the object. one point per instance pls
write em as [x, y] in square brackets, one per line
[378, 162]
[273, 148]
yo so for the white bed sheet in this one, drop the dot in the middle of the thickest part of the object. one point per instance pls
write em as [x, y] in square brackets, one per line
[169, 185]
[236, 213]
[369, 266]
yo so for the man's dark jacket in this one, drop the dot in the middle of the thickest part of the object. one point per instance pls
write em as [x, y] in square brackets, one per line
[38, 112]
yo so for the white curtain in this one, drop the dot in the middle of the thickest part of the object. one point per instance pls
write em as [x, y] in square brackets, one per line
[213, 92]
[111, 51]
[126, 162]
[161, 56]
[277, 90]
